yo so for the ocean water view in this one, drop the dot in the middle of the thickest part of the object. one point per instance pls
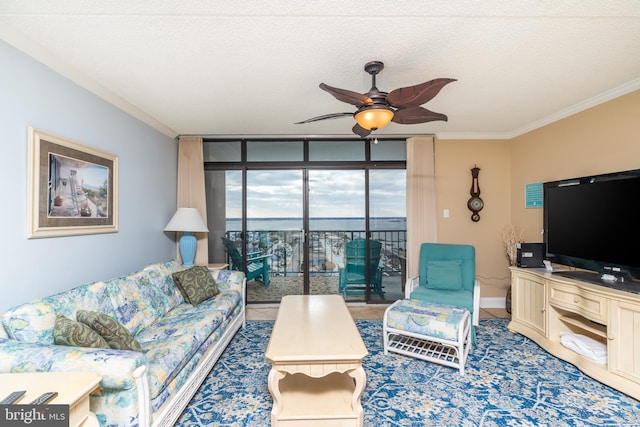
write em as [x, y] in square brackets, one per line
[324, 224]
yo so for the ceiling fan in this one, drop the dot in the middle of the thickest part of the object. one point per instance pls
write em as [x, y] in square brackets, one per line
[376, 108]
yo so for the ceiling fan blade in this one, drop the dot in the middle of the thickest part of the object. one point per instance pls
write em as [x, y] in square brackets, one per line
[413, 96]
[348, 96]
[325, 117]
[360, 131]
[414, 115]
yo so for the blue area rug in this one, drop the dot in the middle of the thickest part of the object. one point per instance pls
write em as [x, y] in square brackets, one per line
[509, 381]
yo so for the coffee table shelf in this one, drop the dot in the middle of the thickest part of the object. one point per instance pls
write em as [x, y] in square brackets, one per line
[303, 396]
[316, 353]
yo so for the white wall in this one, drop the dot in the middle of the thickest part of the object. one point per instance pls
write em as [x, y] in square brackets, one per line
[33, 95]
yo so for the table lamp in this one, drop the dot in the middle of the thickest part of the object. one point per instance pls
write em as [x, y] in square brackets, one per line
[187, 220]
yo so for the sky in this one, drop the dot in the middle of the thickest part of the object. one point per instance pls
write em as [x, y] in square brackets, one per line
[90, 175]
[332, 193]
[94, 176]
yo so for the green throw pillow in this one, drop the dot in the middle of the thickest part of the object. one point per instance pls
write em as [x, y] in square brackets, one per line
[444, 275]
[72, 333]
[196, 284]
[116, 335]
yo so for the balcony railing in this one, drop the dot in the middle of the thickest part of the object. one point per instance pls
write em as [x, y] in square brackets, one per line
[326, 249]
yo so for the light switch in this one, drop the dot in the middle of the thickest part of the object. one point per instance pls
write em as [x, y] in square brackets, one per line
[445, 213]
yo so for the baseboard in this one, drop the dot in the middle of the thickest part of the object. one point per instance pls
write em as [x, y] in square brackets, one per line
[493, 302]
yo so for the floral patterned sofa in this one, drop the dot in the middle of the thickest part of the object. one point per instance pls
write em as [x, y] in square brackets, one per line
[181, 342]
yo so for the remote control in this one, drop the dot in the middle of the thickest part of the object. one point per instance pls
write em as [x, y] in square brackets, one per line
[12, 397]
[44, 398]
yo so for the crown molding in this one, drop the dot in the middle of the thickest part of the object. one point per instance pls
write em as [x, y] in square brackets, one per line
[472, 135]
[616, 92]
[40, 54]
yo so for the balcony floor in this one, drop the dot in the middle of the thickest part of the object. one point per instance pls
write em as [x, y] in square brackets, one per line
[318, 285]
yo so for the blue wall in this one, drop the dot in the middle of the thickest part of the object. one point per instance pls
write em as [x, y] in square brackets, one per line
[33, 95]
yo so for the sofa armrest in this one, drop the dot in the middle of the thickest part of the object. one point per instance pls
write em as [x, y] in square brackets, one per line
[115, 366]
[229, 280]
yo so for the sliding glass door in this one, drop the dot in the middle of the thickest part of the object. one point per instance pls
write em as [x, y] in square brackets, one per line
[336, 216]
[388, 225]
[309, 217]
[275, 230]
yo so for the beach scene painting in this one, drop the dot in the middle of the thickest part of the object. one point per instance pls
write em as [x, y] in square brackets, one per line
[79, 189]
[73, 188]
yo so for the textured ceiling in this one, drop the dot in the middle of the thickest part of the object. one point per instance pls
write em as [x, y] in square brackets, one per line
[253, 67]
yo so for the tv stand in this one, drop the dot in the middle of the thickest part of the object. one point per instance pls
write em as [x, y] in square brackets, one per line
[622, 284]
[544, 305]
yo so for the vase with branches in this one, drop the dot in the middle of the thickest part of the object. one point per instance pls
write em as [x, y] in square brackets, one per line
[511, 236]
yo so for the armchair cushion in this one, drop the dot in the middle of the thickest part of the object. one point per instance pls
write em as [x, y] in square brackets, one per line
[460, 298]
[196, 284]
[449, 252]
[446, 275]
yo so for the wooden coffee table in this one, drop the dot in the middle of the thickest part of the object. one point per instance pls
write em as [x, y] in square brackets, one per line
[316, 354]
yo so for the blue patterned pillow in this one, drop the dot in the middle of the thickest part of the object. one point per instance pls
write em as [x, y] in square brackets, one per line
[72, 333]
[444, 275]
[196, 284]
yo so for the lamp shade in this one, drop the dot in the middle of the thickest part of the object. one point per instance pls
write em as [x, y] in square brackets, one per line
[374, 117]
[187, 219]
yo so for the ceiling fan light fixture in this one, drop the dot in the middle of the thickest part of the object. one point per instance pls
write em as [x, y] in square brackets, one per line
[375, 109]
[374, 117]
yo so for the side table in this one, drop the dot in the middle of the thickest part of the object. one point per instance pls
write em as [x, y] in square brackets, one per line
[73, 389]
[218, 266]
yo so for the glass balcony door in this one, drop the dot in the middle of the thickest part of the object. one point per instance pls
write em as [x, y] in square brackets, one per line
[388, 225]
[336, 216]
[300, 204]
[274, 228]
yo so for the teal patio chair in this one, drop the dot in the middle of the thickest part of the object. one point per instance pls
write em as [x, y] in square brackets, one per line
[351, 278]
[447, 276]
[257, 264]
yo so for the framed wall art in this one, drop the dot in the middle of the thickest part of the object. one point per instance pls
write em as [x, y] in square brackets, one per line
[73, 188]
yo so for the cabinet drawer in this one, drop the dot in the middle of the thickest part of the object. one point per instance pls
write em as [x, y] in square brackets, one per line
[580, 301]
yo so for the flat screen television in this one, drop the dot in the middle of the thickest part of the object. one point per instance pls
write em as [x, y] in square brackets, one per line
[593, 223]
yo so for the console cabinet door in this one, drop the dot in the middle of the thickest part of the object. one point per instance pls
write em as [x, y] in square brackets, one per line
[529, 301]
[624, 339]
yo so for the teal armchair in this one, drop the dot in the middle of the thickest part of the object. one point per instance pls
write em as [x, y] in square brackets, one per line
[257, 264]
[447, 275]
[351, 277]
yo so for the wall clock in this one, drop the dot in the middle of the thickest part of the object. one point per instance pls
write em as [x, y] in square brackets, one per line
[475, 203]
